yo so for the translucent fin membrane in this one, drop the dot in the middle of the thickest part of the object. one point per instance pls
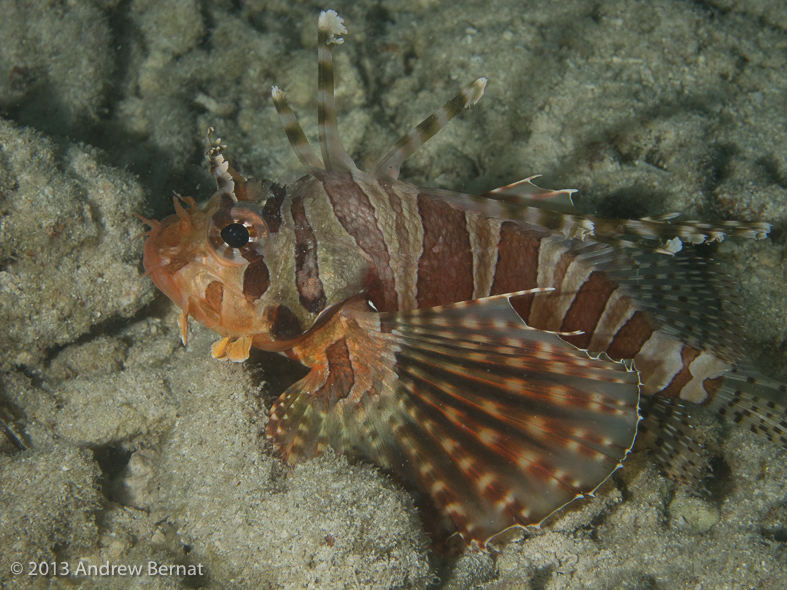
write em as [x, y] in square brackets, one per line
[500, 425]
[666, 430]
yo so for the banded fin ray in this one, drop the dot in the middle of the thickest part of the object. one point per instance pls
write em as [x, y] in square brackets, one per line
[530, 204]
[498, 424]
[389, 163]
[219, 167]
[329, 26]
[295, 135]
[666, 234]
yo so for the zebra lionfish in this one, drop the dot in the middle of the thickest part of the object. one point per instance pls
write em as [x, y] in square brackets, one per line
[489, 350]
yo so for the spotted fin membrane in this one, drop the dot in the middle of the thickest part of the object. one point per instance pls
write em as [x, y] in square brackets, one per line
[499, 424]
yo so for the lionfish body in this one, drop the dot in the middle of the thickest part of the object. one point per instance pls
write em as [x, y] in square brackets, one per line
[489, 350]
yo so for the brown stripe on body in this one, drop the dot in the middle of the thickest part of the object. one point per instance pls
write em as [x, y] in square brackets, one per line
[684, 376]
[632, 335]
[307, 270]
[659, 360]
[271, 211]
[445, 269]
[697, 379]
[284, 324]
[355, 212]
[587, 308]
[619, 309]
[574, 278]
[517, 264]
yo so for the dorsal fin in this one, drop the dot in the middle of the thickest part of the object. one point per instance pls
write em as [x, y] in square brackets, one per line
[390, 162]
[526, 194]
[667, 235]
[295, 135]
[528, 203]
[329, 27]
[526, 209]
[219, 167]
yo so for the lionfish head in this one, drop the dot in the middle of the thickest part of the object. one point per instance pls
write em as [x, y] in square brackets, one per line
[211, 262]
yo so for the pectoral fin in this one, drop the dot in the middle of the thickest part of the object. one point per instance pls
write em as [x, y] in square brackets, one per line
[498, 424]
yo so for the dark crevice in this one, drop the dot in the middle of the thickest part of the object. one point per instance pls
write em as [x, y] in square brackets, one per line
[541, 578]
[717, 166]
[111, 460]
[718, 482]
[274, 373]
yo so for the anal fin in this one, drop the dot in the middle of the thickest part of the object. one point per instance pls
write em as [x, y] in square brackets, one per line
[498, 424]
[666, 430]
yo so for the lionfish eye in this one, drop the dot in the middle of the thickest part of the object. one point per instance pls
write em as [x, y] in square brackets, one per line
[236, 233]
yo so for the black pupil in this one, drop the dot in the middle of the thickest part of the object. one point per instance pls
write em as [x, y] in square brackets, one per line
[235, 235]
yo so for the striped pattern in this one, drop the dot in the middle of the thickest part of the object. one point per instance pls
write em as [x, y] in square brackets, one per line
[271, 211]
[539, 425]
[296, 136]
[307, 272]
[354, 210]
[390, 162]
[481, 347]
[445, 254]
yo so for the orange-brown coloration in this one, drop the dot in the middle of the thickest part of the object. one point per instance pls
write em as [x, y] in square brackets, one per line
[466, 343]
